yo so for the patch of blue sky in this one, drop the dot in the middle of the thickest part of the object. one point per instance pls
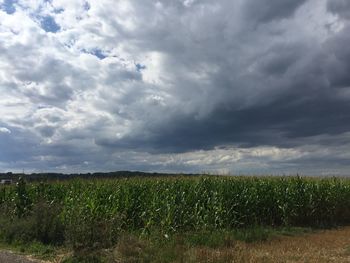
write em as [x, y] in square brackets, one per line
[86, 6]
[139, 67]
[49, 24]
[58, 10]
[95, 52]
[9, 6]
[43, 106]
[98, 53]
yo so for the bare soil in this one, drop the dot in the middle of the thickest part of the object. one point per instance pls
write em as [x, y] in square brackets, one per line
[10, 257]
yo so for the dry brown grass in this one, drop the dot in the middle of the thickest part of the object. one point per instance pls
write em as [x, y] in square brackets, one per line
[323, 246]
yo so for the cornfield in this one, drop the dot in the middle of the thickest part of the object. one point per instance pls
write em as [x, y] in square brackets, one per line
[180, 204]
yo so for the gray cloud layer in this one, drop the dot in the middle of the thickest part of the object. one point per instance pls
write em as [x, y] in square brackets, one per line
[229, 86]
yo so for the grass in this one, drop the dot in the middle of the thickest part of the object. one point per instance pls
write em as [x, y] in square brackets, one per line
[282, 245]
[223, 246]
[347, 251]
[193, 246]
[196, 246]
[36, 249]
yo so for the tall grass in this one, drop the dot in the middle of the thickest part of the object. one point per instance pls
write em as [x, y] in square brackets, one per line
[95, 211]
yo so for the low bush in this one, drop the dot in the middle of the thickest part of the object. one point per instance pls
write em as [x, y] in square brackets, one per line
[92, 233]
[42, 225]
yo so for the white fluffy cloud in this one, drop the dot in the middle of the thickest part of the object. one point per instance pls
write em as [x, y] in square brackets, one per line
[173, 85]
[4, 130]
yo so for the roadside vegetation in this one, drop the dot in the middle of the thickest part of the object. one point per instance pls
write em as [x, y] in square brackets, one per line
[165, 219]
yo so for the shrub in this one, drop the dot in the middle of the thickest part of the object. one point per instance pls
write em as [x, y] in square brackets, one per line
[42, 224]
[84, 232]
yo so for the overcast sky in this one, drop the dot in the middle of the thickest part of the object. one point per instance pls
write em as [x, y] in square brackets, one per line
[218, 86]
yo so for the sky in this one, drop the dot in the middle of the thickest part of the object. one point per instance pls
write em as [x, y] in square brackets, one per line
[213, 86]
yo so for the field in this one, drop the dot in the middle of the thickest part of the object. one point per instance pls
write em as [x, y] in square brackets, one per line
[95, 215]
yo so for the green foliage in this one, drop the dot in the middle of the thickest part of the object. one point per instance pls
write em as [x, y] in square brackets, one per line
[91, 232]
[92, 213]
[48, 227]
[21, 199]
[42, 224]
[212, 239]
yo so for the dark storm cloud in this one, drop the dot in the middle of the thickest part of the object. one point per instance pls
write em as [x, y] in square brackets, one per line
[279, 58]
[17, 145]
[301, 98]
[338, 66]
[340, 7]
[47, 131]
[171, 85]
[264, 11]
[280, 123]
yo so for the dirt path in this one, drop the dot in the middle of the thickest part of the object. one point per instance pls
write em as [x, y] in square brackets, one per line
[10, 257]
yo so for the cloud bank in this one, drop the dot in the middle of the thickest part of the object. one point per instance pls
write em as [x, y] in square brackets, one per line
[181, 86]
